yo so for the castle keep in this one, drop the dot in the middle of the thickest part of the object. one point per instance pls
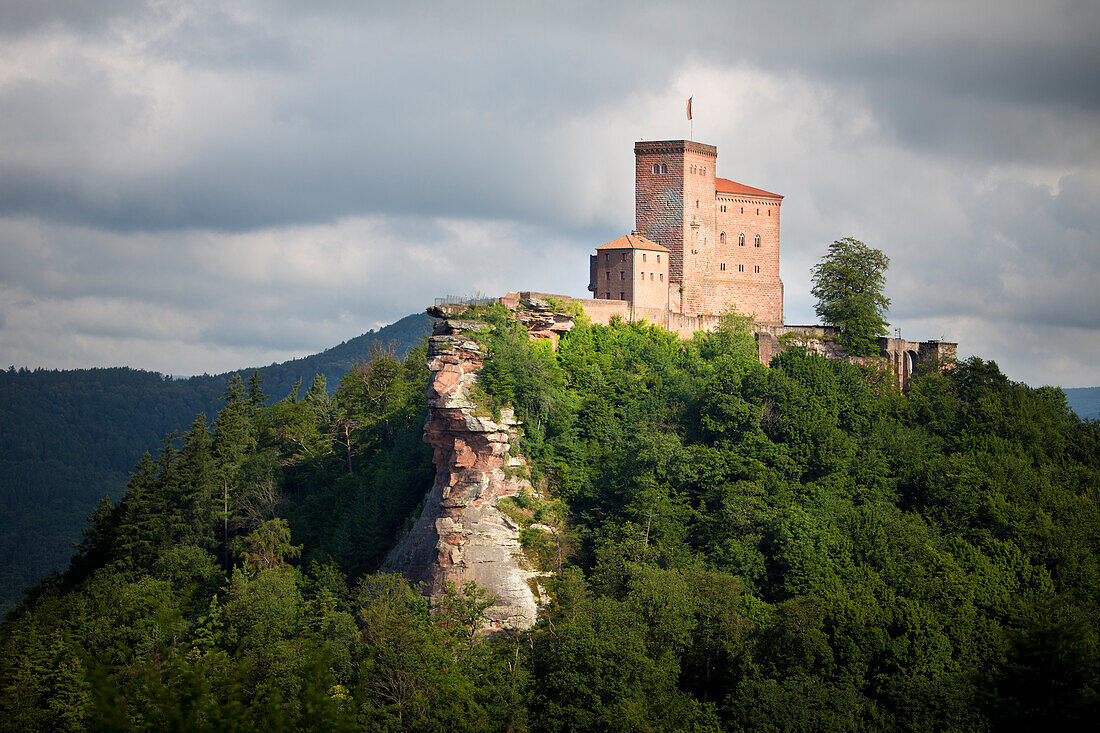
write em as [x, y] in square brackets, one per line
[701, 243]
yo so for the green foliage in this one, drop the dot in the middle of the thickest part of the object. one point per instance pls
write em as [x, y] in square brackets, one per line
[68, 438]
[733, 547]
[848, 285]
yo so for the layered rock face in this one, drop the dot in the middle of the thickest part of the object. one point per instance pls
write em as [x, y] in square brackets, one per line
[460, 534]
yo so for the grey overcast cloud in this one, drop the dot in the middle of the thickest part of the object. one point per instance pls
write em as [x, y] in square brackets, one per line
[195, 187]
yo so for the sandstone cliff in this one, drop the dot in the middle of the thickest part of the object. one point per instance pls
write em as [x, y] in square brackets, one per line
[460, 534]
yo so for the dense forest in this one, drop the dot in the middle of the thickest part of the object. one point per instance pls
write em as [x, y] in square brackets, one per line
[796, 546]
[70, 437]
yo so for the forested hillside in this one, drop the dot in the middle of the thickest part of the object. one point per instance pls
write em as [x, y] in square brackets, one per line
[739, 547]
[69, 438]
[1085, 401]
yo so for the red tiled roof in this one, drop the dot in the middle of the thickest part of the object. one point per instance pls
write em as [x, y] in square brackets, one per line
[725, 185]
[633, 241]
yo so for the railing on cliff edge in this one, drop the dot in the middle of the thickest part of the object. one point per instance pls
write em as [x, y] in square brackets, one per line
[464, 300]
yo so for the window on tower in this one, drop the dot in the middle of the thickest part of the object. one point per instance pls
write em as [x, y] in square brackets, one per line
[722, 266]
[656, 168]
[756, 241]
[664, 168]
[722, 238]
[756, 268]
[741, 239]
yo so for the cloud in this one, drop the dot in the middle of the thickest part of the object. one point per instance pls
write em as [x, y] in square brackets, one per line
[193, 187]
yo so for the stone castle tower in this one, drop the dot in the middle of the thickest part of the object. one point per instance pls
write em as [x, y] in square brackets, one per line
[721, 238]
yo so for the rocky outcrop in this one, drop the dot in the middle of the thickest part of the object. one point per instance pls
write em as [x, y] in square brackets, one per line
[461, 535]
[540, 320]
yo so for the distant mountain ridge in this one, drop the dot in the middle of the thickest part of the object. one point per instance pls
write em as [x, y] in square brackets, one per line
[1085, 401]
[70, 437]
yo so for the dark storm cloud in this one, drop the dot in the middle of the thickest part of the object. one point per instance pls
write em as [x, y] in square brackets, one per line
[432, 109]
[21, 16]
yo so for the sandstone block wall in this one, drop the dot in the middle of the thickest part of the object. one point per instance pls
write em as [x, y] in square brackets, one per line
[678, 205]
[665, 202]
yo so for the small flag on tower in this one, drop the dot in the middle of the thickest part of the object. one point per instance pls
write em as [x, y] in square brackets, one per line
[689, 105]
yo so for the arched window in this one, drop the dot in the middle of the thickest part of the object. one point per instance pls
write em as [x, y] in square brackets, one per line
[740, 268]
[756, 241]
[642, 276]
[643, 256]
[722, 266]
[758, 212]
[756, 268]
[722, 238]
[664, 168]
[656, 168]
[741, 239]
[658, 259]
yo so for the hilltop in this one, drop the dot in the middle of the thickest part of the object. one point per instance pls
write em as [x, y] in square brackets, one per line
[70, 437]
[721, 545]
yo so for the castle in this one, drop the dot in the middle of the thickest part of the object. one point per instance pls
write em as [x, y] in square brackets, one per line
[701, 243]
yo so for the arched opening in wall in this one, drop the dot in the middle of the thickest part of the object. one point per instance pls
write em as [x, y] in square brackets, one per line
[722, 238]
[910, 359]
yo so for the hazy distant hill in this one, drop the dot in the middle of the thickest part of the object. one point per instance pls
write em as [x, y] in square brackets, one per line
[68, 438]
[1085, 401]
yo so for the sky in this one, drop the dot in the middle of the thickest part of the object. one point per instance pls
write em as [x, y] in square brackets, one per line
[193, 187]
